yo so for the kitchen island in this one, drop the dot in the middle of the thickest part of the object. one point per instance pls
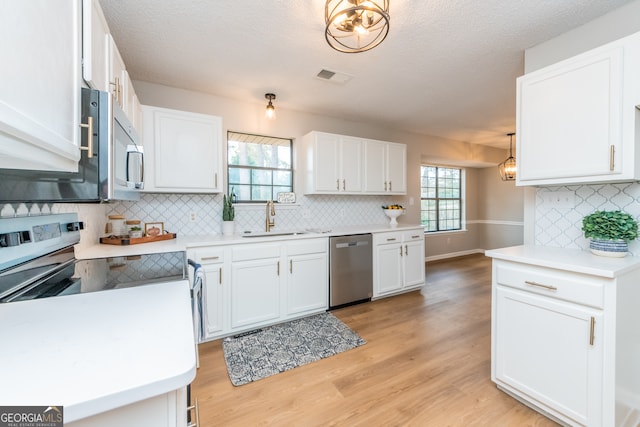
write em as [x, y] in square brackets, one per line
[96, 353]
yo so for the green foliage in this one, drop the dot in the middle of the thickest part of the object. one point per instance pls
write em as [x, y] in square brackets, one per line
[610, 225]
[228, 211]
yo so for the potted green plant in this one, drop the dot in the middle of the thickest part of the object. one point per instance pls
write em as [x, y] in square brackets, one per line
[228, 214]
[610, 232]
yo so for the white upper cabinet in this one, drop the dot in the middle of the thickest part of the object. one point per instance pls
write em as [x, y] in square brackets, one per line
[385, 167]
[333, 163]
[40, 90]
[338, 164]
[577, 120]
[179, 141]
[117, 73]
[95, 46]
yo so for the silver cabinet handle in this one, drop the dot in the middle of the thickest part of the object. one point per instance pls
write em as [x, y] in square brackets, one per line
[220, 276]
[291, 266]
[337, 184]
[390, 189]
[391, 240]
[592, 330]
[400, 250]
[209, 258]
[344, 185]
[406, 250]
[540, 285]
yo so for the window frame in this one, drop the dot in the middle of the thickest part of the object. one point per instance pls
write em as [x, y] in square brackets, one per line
[437, 199]
[257, 168]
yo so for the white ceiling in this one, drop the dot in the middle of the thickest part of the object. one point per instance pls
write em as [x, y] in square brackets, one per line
[447, 67]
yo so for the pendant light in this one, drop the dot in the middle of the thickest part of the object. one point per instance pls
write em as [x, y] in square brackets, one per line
[270, 112]
[354, 26]
[508, 167]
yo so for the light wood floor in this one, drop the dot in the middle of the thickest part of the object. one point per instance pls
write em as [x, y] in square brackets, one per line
[426, 363]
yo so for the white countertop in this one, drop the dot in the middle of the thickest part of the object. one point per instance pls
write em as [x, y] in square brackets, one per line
[97, 351]
[183, 243]
[575, 260]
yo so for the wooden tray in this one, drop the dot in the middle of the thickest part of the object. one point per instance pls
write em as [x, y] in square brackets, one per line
[123, 241]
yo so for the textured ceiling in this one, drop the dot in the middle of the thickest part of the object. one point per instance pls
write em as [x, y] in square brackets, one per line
[447, 67]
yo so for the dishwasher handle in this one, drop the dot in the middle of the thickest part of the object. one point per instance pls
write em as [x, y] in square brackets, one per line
[351, 244]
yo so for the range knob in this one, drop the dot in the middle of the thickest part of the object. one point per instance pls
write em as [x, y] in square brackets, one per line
[9, 239]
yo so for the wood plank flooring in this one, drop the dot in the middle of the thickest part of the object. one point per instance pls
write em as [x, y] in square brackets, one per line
[426, 363]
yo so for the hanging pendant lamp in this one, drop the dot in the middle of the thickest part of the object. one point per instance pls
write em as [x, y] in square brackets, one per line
[270, 112]
[507, 168]
[354, 26]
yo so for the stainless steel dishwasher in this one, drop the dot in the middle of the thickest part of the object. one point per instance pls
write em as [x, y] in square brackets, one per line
[350, 270]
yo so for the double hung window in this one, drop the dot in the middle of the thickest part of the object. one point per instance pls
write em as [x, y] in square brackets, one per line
[441, 198]
[259, 167]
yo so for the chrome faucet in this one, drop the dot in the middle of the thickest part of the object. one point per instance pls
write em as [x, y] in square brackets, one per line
[270, 222]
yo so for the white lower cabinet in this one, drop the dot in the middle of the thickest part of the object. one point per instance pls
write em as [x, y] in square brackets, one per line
[563, 338]
[398, 261]
[307, 277]
[212, 261]
[165, 410]
[255, 285]
[544, 351]
[266, 283]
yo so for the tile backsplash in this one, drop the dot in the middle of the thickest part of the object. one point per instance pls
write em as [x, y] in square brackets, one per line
[561, 226]
[197, 214]
[201, 214]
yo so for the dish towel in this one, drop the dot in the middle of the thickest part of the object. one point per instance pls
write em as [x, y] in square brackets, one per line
[198, 300]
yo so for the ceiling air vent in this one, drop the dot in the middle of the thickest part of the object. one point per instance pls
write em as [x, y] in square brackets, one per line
[333, 76]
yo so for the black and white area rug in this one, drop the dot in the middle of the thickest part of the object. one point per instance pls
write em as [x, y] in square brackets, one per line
[278, 348]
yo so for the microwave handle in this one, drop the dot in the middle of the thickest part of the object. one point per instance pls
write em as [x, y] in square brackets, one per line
[137, 184]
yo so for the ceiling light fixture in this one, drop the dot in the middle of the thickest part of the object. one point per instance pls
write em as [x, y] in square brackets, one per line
[356, 25]
[508, 167]
[270, 112]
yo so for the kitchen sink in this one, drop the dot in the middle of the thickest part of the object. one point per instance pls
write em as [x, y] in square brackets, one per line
[275, 234]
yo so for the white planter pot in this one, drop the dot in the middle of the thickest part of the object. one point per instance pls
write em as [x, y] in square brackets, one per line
[228, 228]
[609, 248]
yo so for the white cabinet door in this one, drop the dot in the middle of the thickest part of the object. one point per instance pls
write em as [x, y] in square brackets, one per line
[95, 46]
[255, 291]
[396, 168]
[179, 141]
[117, 71]
[214, 310]
[388, 270]
[543, 349]
[326, 166]
[375, 167]
[351, 152]
[40, 90]
[165, 410]
[307, 283]
[413, 262]
[576, 120]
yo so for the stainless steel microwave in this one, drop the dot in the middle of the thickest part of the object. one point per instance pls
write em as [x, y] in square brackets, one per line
[112, 170]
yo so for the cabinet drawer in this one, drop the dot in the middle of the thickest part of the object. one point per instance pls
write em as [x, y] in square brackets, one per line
[558, 284]
[383, 238]
[410, 235]
[307, 246]
[209, 256]
[253, 252]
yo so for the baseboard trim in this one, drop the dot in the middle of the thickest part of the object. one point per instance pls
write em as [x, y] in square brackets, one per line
[453, 255]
